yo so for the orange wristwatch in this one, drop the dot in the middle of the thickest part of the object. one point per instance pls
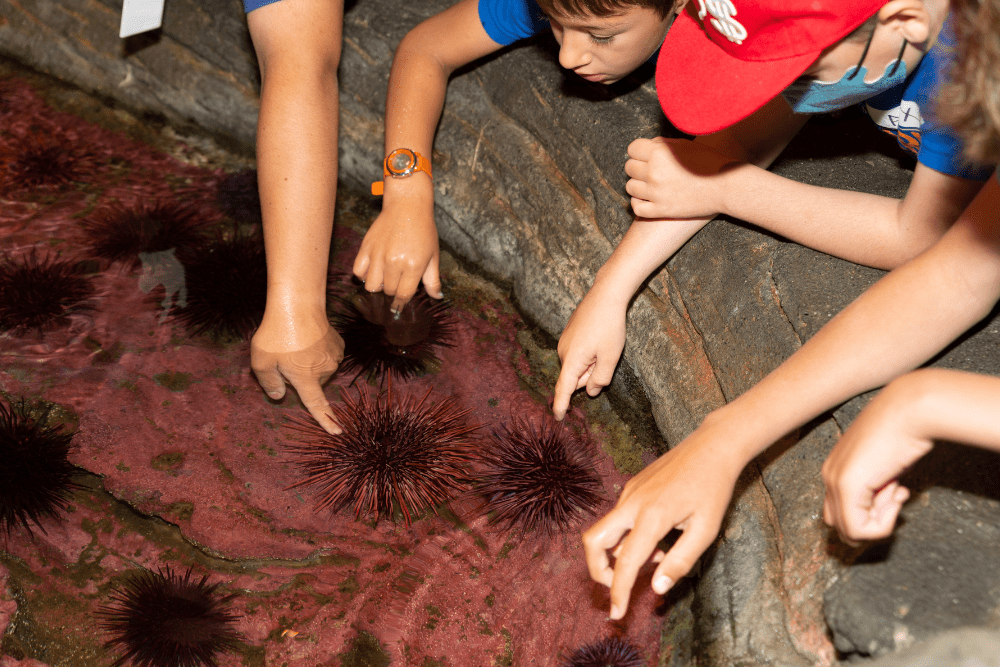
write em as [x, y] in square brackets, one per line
[399, 164]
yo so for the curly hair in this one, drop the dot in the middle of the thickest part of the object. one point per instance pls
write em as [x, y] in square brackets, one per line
[603, 8]
[970, 102]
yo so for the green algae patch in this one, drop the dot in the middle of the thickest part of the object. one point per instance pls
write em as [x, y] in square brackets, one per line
[167, 461]
[366, 651]
[174, 381]
[505, 659]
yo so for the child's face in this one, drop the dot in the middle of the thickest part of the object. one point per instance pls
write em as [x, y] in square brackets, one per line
[604, 49]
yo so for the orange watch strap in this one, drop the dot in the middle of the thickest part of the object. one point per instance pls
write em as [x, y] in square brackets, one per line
[420, 164]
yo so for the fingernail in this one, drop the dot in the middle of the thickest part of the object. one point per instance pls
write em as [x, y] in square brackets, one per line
[662, 584]
[439, 294]
[274, 394]
[396, 312]
[616, 613]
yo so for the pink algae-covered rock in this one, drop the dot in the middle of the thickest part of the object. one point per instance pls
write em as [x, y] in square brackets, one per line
[189, 469]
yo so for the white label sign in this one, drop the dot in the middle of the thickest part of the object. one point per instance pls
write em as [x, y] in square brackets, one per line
[140, 16]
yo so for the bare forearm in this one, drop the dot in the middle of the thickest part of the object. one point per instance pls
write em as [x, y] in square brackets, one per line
[863, 228]
[951, 405]
[898, 324]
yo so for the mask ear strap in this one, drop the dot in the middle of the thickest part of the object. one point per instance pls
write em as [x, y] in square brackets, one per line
[899, 58]
[864, 53]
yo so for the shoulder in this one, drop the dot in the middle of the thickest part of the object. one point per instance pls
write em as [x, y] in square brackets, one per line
[507, 21]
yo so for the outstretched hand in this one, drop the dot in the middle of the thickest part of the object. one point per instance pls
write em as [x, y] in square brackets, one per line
[276, 360]
[688, 488]
[589, 348]
[675, 178]
[863, 494]
[400, 249]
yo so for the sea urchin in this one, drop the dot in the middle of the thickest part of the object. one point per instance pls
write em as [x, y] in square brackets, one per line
[401, 455]
[120, 233]
[39, 293]
[36, 477]
[538, 478]
[226, 286]
[42, 160]
[376, 342]
[610, 652]
[163, 619]
[238, 197]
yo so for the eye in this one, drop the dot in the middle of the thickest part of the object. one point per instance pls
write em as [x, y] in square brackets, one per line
[601, 40]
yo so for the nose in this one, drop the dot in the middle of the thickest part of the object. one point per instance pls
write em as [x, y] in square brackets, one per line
[574, 51]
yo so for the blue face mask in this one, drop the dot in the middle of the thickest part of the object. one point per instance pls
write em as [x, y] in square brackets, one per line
[812, 96]
[821, 97]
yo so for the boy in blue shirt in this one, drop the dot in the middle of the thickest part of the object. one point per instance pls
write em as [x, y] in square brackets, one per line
[599, 40]
[744, 54]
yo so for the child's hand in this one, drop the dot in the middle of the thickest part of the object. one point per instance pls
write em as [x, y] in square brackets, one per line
[589, 347]
[675, 178]
[277, 357]
[401, 248]
[863, 496]
[687, 488]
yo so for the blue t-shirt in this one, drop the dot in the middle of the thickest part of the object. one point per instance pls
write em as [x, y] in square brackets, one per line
[906, 112]
[250, 5]
[507, 21]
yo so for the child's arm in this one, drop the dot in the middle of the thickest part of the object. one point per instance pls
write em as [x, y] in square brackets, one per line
[683, 179]
[401, 248]
[592, 342]
[901, 322]
[899, 426]
[298, 48]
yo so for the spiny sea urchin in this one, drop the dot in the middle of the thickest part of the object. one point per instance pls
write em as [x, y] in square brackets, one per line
[377, 343]
[163, 619]
[610, 652]
[226, 286]
[120, 233]
[402, 455]
[238, 197]
[38, 160]
[40, 293]
[538, 478]
[36, 477]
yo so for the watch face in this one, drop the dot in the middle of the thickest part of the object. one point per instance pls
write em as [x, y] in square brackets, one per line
[401, 161]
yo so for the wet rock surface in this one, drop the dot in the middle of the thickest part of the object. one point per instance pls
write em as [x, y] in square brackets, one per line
[528, 171]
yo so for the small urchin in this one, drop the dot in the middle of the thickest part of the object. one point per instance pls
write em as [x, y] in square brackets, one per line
[41, 292]
[226, 282]
[120, 233]
[43, 160]
[36, 477]
[164, 619]
[538, 477]
[610, 652]
[378, 343]
[395, 455]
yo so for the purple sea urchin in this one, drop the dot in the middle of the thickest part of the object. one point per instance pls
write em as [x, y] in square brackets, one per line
[377, 343]
[119, 233]
[239, 198]
[538, 478]
[226, 283]
[401, 455]
[42, 160]
[610, 652]
[36, 477]
[163, 619]
[40, 293]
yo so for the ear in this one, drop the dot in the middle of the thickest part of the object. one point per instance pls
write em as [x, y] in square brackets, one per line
[911, 18]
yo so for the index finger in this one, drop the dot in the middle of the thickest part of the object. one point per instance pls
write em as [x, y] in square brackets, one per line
[566, 385]
[640, 149]
[312, 397]
[637, 547]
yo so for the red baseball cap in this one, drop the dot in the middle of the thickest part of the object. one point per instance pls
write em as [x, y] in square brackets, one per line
[724, 59]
